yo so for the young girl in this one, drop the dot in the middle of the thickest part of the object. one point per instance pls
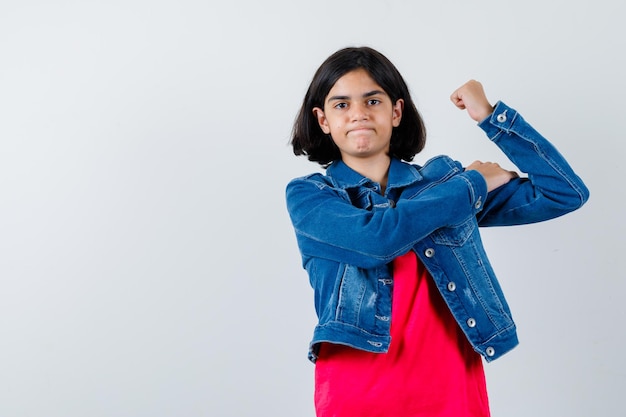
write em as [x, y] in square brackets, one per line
[406, 299]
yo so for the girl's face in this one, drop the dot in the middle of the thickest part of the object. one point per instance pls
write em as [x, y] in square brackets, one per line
[360, 117]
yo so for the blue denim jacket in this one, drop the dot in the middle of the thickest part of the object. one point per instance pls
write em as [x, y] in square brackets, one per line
[348, 233]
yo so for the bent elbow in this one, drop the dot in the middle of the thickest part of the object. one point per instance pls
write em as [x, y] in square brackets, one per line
[584, 195]
[578, 198]
[562, 204]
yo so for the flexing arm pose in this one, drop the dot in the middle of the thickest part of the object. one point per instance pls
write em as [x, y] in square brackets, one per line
[377, 230]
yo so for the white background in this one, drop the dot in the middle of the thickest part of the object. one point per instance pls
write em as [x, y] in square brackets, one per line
[147, 262]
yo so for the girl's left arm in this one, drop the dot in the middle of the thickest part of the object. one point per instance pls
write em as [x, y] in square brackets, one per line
[551, 188]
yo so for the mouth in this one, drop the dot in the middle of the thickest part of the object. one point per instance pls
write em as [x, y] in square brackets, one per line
[360, 130]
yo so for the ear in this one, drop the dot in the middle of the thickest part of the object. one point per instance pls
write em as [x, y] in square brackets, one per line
[397, 110]
[321, 119]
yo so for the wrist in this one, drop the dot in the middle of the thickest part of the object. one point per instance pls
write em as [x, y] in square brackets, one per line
[486, 112]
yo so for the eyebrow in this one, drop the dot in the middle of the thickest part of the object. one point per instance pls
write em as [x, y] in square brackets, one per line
[368, 94]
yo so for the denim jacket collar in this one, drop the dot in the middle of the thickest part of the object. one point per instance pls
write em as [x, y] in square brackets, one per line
[400, 175]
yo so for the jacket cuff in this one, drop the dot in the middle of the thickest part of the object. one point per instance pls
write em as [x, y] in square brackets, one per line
[501, 119]
[478, 189]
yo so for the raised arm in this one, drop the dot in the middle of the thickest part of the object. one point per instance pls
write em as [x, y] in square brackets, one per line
[551, 189]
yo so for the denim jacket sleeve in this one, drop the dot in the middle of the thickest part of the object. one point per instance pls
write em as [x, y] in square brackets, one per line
[551, 188]
[328, 226]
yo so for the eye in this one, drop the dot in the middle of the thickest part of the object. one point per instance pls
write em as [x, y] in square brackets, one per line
[373, 101]
[340, 105]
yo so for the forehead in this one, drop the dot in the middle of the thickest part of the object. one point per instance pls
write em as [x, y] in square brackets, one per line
[354, 82]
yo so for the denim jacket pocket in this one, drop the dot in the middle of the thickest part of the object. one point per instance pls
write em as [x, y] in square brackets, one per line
[351, 292]
[455, 235]
[365, 298]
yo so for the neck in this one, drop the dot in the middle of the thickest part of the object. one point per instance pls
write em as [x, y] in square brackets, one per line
[376, 169]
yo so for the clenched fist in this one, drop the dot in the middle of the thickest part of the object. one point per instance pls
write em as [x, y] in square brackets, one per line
[471, 97]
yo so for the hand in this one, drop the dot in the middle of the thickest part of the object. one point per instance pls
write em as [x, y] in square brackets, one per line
[471, 96]
[494, 175]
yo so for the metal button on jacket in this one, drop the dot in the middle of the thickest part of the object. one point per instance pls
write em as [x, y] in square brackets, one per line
[471, 322]
[430, 252]
[501, 117]
[490, 351]
[451, 286]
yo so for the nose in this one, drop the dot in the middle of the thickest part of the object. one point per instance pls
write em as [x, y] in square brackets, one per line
[359, 112]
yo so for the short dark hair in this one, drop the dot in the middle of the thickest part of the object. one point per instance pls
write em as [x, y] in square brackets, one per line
[308, 138]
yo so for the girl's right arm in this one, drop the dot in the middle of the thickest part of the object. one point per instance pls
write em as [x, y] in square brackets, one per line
[328, 226]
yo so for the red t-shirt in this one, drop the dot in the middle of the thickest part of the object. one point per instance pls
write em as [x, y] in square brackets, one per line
[430, 369]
